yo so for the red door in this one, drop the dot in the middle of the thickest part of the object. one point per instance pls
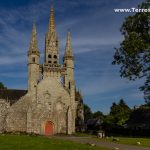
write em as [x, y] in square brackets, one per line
[49, 128]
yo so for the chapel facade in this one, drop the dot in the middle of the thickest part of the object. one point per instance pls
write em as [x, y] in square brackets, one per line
[50, 105]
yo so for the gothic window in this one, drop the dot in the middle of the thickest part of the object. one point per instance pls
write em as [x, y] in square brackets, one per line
[33, 59]
[49, 61]
[55, 62]
[55, 56]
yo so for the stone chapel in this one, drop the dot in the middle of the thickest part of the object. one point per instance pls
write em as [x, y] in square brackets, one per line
[51, 104]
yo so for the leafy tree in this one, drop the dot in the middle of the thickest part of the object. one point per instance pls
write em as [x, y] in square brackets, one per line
[124, 112]
[133, 55]
[2, 85]
[140, 117]
[98, 114]
[119, 114]
[87, 112]
[113, 109]
[89, 115]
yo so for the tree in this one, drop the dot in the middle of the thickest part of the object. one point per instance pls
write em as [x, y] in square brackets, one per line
[114, 109]
[87, 112]
[133, 55]
[2, 85]
[124, 112]
[140, 118]
[119, 114]
[98, 114]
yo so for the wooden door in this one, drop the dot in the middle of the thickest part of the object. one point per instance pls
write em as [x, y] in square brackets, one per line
[49, 128]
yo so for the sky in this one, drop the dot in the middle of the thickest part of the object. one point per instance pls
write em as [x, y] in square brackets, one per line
[95, 32]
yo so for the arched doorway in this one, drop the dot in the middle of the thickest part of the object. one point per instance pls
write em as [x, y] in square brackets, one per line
[49, 128]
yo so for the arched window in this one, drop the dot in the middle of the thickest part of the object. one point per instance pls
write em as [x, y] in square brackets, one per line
[49, 56]
[55, 56]
[55, 62]
[49, 61]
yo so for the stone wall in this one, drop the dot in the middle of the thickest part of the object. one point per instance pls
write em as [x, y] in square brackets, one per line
[4, 106]
[17, 115]
[49, 103]
[52, 103]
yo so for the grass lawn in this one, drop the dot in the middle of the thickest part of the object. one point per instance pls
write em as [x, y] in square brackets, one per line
[24, 142]
[145, 142]
[79, 134]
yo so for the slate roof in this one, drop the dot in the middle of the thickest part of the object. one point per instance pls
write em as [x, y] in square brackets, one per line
[94, 122]
[11, 95]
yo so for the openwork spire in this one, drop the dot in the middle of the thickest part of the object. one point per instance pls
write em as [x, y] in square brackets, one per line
[68, 51]
[34, 42]
[52, 20]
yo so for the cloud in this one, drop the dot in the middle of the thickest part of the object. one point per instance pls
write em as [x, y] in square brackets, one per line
[11, 60]
[25, 13]
[107, 84]
[81, 40]
[13, 74]
[95, 32]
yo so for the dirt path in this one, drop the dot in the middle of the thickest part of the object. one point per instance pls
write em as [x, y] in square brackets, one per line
[89, 140]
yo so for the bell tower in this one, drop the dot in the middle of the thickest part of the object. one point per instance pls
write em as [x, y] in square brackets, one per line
[51, 66]
[51, 42]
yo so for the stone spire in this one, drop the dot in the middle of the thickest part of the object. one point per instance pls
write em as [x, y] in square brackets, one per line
[68, 51]
[51, 42]
[34, 41]
[51, 27]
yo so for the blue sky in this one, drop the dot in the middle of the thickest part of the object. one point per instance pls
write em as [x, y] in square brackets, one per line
[95, 33]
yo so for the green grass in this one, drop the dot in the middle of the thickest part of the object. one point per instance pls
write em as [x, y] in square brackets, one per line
[79, 134]
[145, 142]
[24, 142]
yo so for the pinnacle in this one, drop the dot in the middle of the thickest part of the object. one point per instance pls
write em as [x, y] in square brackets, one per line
[52, 20]
[68, 44]
[68, 51]
[34, 42]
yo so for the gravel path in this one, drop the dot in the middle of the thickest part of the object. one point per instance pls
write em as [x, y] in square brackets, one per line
[89, 140]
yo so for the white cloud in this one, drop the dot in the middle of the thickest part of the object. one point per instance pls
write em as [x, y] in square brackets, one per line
[11, 60]
[94, 29]
[106, 84]
[13, 74]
